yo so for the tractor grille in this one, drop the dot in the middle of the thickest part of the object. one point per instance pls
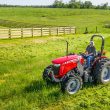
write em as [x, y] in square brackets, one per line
[56, 69]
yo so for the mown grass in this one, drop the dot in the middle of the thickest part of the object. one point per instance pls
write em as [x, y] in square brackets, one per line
[21, 86]
[34, 17]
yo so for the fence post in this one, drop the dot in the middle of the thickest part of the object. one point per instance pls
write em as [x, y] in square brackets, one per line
[57, 31]
[9, 33]
[64, 30]
[41, 32]
[32, 30]
[50, 32]
[21, 33]
[96, 29]
[70, 30]
[86, 31]
[75, 30]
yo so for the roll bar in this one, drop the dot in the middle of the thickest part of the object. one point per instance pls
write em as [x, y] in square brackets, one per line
[103, 42]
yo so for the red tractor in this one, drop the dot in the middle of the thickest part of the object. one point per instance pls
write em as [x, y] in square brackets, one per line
[70, 70]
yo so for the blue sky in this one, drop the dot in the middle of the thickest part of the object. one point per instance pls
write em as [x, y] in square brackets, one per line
[45, 2]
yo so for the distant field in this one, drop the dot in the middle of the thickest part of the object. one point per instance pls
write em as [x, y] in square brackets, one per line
[21, 86]
[34, 17]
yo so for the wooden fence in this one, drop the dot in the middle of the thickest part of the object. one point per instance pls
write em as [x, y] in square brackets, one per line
[31, 32]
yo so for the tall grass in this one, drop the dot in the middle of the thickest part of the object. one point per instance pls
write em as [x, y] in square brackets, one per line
[21, 86]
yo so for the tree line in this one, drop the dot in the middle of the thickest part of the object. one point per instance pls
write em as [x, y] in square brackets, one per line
[74, 4]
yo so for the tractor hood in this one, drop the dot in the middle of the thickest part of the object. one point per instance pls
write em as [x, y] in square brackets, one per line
[64, 59]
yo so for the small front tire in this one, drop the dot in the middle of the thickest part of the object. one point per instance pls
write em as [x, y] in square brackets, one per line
[46, 77]
[72, 85]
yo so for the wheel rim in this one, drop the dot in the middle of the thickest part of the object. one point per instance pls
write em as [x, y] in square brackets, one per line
[106, 74]
[73, 86]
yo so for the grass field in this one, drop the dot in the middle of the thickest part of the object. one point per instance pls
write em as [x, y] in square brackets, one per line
[34, 17]
[21, 86]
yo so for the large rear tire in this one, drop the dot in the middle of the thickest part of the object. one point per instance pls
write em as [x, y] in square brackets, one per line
[72, 85]
[102, 71]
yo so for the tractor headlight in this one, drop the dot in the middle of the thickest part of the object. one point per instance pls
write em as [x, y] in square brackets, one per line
[56, 69]
[56, 65]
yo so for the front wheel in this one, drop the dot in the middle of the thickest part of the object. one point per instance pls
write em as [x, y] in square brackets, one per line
[72, 85]
[46, 74]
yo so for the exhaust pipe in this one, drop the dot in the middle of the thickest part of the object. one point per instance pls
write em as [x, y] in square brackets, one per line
[67, 47]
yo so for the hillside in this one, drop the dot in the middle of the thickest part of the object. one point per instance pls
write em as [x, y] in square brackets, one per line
[34, 17]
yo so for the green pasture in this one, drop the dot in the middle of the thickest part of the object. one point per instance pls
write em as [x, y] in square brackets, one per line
[22, 62]
[35, 17]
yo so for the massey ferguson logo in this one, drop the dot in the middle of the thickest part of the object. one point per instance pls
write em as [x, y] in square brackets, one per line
[76, 60]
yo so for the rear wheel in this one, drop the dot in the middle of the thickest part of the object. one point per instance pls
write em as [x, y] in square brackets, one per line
[102, 71]
[105, 74]
[71, 85]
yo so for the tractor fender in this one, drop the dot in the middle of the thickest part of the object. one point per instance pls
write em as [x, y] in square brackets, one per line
[80, 67]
